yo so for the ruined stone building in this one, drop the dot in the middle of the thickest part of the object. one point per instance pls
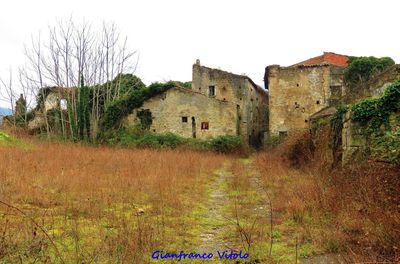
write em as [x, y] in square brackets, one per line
[301, 90]
[218, 103]
[354, 139]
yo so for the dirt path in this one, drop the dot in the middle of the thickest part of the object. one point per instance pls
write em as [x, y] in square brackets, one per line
[214, 223]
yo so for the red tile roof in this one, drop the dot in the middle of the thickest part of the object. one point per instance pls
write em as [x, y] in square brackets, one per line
[329, 58]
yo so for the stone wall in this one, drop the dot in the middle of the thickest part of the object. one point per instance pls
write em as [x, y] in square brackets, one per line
[356, 144]
[183, 112]
[226, 103]
[374, 87]
[295, 93]
[353, 140]
[52, 101]
[250, 100]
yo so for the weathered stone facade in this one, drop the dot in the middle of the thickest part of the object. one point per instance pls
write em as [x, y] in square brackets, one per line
[250, 101]
[219, 103]
[184, 112]
[355, 142]
[297, 92]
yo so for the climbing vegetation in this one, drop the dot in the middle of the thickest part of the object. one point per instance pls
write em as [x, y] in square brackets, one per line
[380, 118]
[374, 112]
[336, 127]
[84, 111]
[145, 118]
[120, 108]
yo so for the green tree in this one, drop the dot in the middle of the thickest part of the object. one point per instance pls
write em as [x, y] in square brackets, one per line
[361, 69]
[83, 111]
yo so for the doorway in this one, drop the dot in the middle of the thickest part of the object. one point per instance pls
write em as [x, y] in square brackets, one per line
[193, 127]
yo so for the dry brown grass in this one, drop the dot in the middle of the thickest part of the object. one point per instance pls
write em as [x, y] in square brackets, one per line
[354, 209]
[98, 204]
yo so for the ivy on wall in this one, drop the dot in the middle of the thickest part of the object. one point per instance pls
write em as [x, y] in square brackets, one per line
[123, 106]
[375, 112]
[146, 118]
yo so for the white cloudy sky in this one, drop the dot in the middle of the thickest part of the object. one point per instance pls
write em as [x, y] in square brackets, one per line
[235, 35]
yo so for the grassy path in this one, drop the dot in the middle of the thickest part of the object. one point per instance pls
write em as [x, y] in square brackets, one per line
[214, 220]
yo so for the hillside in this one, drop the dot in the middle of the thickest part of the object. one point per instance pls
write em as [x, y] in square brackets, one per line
[4, 111]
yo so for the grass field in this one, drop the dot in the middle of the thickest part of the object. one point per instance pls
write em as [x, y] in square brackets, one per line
[80, 204]
[75, 203]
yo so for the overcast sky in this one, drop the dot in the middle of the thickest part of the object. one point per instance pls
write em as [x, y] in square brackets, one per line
[234, 35]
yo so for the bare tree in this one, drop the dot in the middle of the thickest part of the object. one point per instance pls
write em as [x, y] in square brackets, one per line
[27, 93]
[7, 92]
[33, 75]
[74, 53]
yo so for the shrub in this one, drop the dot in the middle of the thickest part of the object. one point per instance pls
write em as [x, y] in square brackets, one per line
[301, 151]
[198, 144]
[226, 144]
[273, 141]
[166, 140]
[4, 137]
[387, 147]
[137, 136]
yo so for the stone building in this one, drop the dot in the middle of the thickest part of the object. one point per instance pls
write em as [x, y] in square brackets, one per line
[298, 91]
[355, 140]
[219, 103]
[20, 107]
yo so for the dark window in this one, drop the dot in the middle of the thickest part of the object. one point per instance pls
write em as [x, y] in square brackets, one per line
[184, 119]
[204, 125]
[283, 134]
[211, 90]
[317, 101]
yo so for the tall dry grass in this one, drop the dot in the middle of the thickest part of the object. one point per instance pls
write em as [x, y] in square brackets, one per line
[354, 209]
[98, 204]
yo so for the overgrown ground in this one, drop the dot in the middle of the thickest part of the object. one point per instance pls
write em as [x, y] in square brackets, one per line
[74, 203]
[81, 204]
[351, 214]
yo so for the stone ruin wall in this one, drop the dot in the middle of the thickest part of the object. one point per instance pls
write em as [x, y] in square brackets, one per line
[169, 108]
[295, 93]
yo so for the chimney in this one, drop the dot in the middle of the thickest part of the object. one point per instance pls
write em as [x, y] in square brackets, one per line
[198, 62]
